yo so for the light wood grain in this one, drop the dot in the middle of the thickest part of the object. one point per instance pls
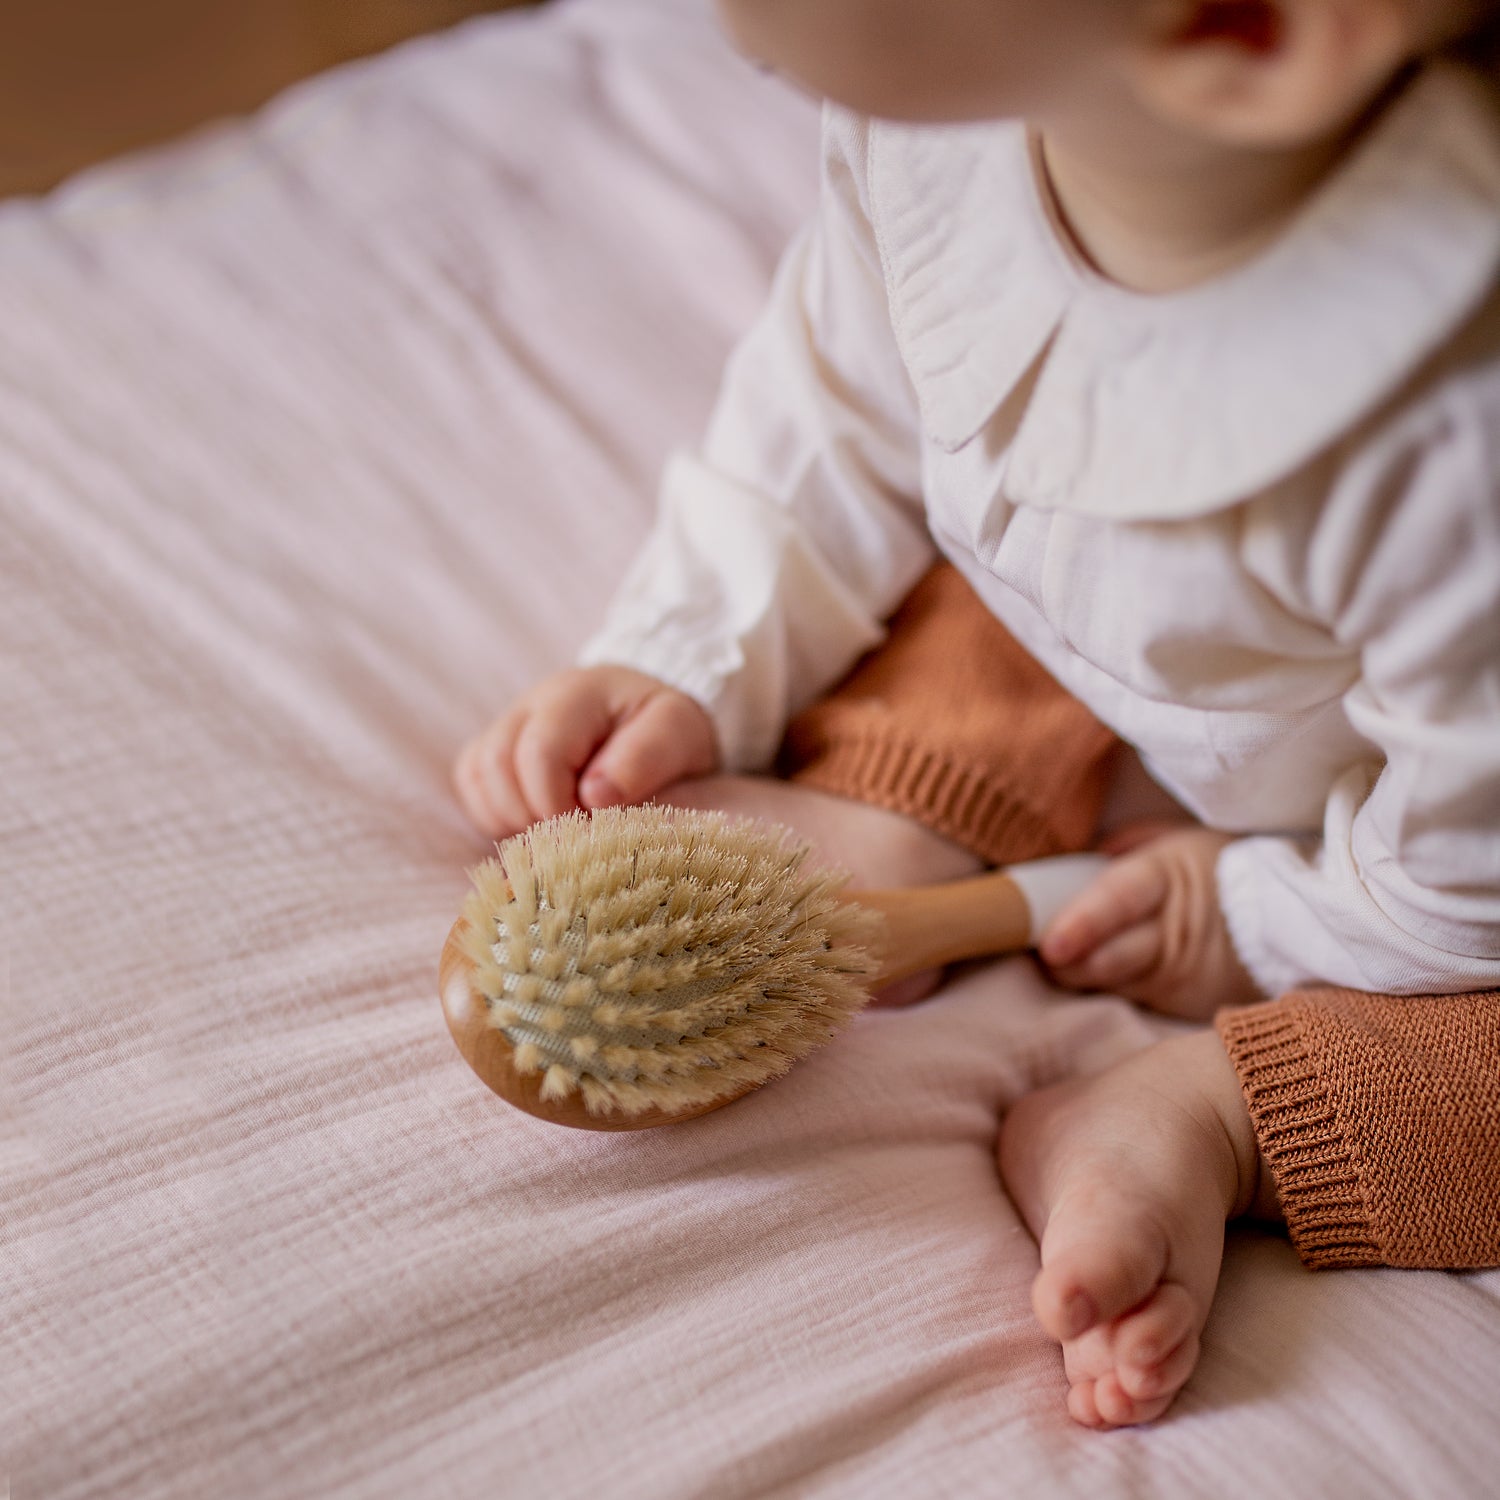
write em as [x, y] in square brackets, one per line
[87, 80]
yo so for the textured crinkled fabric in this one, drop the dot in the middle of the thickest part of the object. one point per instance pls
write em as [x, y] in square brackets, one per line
[320, 436]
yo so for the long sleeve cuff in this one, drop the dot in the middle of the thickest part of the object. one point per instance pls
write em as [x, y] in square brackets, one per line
[1300, 912]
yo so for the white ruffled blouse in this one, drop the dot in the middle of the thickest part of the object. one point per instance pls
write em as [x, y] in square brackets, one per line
[1254, 525]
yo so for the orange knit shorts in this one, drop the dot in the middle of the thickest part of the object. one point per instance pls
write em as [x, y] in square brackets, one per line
[954, 724]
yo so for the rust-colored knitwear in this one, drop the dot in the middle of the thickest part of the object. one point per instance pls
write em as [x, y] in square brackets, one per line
[952, 723]
[1379, 1116]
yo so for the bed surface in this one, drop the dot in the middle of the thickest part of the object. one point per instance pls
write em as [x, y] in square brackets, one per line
[320, 436]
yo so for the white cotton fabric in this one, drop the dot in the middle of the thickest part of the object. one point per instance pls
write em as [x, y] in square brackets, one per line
[1254, 525]
[321, 436]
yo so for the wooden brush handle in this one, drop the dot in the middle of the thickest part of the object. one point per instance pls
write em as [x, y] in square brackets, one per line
[929, 926]
[987, 915]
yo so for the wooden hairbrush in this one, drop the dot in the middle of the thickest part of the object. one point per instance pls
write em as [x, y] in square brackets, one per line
[644, 965]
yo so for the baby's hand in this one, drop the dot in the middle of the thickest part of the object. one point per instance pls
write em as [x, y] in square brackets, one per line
[593, 737]
[1150, 928]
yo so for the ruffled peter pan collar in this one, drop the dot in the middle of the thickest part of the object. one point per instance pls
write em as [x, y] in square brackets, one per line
[1167, 406]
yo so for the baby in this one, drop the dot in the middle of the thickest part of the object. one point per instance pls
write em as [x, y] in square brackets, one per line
[1174, 326]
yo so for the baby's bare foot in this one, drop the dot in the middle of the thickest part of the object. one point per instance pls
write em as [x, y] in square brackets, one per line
[1127, 1179]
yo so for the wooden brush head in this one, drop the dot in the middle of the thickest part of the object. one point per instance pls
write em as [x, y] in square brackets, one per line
[642, 965]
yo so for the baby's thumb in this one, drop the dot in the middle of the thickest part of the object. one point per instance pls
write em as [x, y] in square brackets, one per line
[1129, 891]
[667, 738]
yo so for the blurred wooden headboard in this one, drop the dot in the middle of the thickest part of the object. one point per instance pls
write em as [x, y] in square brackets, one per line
[81, 80]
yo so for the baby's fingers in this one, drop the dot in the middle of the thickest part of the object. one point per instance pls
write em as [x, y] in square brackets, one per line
[484, 782]
[558, 738]
[666, 739]
[1116, 963]
[1126, 895]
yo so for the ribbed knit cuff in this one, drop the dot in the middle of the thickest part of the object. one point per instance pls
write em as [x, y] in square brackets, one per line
[964, 803]
[1300, 1133]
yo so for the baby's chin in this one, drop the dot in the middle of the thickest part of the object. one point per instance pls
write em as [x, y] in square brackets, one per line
[910, 61]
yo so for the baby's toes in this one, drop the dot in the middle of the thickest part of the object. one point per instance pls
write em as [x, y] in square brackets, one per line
[1099, 1260]
[1161, 1381]
[1127, 1372]
[1145, 1337]
[1081, 1404]
[1088, 1357]
[1141, 1340]
[1105, 1403]
[1114, 1406]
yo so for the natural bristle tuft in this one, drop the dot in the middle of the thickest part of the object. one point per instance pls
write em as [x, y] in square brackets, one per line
[648, 958]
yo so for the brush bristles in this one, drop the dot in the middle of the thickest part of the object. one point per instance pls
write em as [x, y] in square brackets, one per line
[646, 958]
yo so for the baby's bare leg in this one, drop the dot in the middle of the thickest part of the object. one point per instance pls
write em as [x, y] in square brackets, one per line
[876, 847]
[1126, 1179]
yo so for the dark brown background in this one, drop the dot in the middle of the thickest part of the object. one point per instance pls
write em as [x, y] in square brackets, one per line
[81, 80]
